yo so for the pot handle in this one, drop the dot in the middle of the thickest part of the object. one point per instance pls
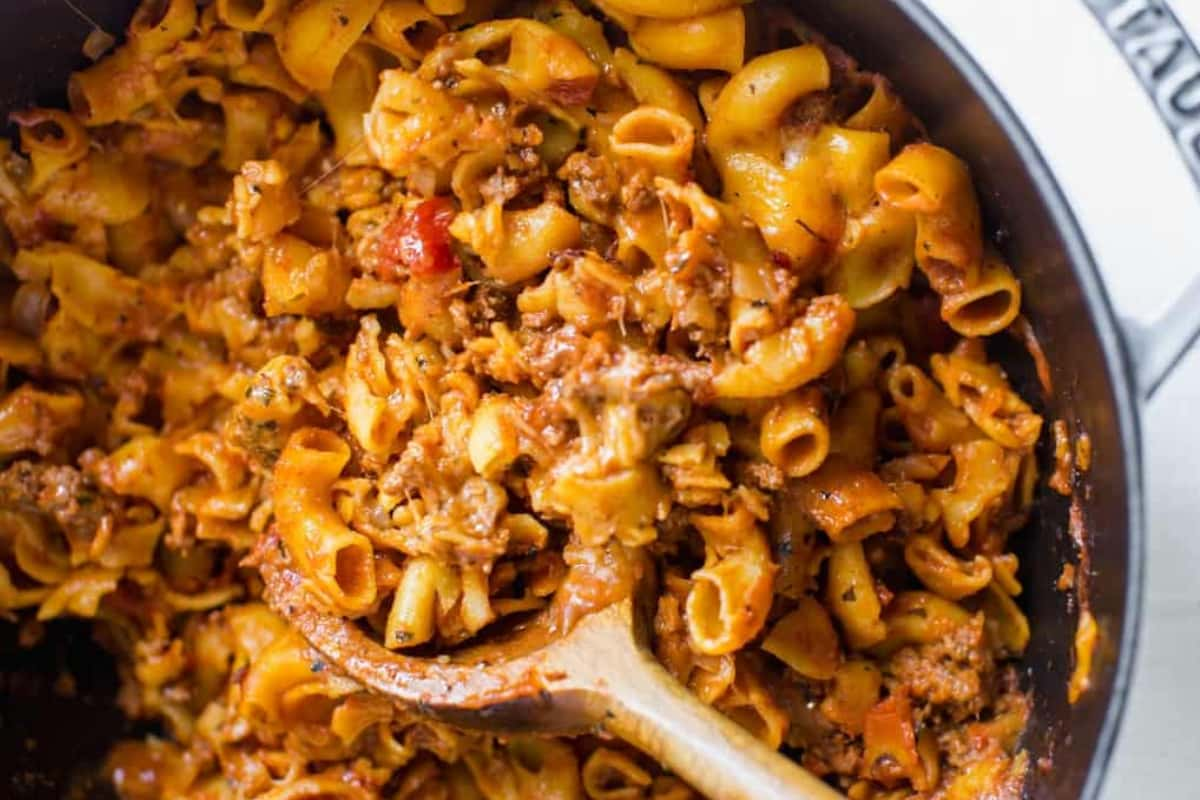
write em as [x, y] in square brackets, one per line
[1156, 349]
[1145, 34]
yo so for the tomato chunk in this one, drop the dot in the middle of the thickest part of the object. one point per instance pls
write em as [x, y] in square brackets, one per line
[417, 241]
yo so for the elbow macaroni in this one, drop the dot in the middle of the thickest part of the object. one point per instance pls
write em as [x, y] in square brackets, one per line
[339, 561]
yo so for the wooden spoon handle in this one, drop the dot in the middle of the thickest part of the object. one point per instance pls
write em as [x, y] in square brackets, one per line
[653, 712]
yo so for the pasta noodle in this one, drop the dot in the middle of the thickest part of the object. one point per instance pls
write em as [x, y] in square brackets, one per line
[988, 307]
[710, 41]
[338, 559]
[465, 309]
[317, 34]
[795, 434]
[847, 502]
[934, 185]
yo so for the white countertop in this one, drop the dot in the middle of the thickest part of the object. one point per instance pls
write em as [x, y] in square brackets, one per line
[1140, 209]
[1158, 753]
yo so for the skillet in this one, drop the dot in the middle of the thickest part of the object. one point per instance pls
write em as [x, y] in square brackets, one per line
[52, 743]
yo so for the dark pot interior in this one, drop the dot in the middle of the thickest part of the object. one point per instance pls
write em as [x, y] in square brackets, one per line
[50, 741]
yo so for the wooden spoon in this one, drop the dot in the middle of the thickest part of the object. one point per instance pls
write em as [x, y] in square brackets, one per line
[599, 676]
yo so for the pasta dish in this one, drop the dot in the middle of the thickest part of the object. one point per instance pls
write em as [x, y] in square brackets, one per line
[465, 306]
